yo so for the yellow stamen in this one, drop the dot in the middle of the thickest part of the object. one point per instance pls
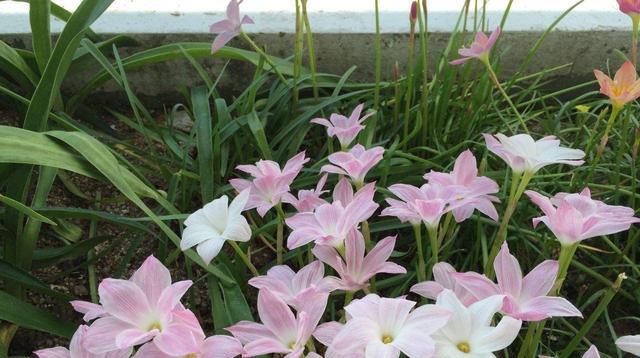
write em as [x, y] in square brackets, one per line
[155, 325]
[387, 339]
[464, 347]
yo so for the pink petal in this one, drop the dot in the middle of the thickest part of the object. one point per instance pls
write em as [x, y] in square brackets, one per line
[91, 310]
[277, 316]
[101, 336]
[592, 353]
[326, 332]
[547, 307]
[540, 280]
[429, 289]
[152, 277]
[171, 296]
[478, 285]
[133, 337]
[57, 352]
[221, 40]
[177, 340]
[124, 300]
[264, 346]
[220, 347]
[508, 272]
[246, 331]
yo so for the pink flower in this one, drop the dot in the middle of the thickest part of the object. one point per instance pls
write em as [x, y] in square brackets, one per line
[629, 344]
[630, 7]
[425, 204]
[281, 331]
[522, 153]
[213, 347]
[576, 217]
[146, 307]
[307, 200]
[294, 288]
[471, 191]
[230, 27]
[443, 273]
[330, 223]
[623, 88]
[269, 184]
[386, 327]
[345, 129]
[480, 48]
[77, 349]
[356, 269]
[355, 163]
[524, 298]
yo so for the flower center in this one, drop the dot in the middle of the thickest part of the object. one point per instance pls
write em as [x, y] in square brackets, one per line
[386, 339]
[464, 347]
[154, 325]
[191, 355]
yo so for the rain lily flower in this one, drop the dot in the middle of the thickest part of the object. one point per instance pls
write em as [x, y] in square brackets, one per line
[356, 269]
[469, 333]
[480, 48]
[230, 27]
[355, 163]
[307, 200]
[144, 308]
[473, 192]
[524, 298]
[330, 223]
[281, 331]
[523, 154]
[294, 287]
[629, 344]
[443, 273]
[77, 349]
[213, 347]
[630, 7]
[215, 223]
[344, 128]
[385, 327]
[270, 183]
[425, 204]
[623, 88]
[576, 217]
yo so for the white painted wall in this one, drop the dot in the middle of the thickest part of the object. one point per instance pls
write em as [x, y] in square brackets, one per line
[327, 16]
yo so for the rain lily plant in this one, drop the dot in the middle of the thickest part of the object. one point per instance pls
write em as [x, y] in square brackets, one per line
[349, 283]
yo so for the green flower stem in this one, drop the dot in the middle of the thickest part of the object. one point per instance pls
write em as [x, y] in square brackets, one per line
[366, 231]
[311, 49]
[603, 140]
[604, 302]
[297, 55]
[516, 192]
[409, 93]
[435, 247]
[245, 259]
[422, 270]
[280, 234]
[634, 40]
[266, 57]
[496, 82]
[348, 297]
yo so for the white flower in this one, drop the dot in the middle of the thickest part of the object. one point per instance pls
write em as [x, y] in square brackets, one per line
[216, 223]
[468, 333]
[630, 344]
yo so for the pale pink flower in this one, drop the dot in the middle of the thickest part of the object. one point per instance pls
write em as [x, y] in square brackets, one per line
[294, 288]
[218, 221]
[77, 349]
[630, 7]
[623, 88]
[281, 331]
[524, 298]
[330, 223]
[479, 49]
[443, 274]
[576, 217]
[343, 192]
[468, 333]
[230, 27]
[471, 191]
[356, 269]
[146, 307]
[386, 327]
[91, 310]
[307, 200]
[213, 347]
[355, 163]
[269, 183]
[522, 153]
[630, 344]
[344, 128]
[425, 204]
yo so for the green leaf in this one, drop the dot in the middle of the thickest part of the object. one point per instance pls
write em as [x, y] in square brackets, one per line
[39, 18]
[78, 213]
[48, 257]
[202, 114]
[10, 272]
[257, 129]
[26, 315]
[25, 210]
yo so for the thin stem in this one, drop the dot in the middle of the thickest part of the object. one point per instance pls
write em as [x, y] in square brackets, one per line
[514, 196]
[266, 57]
[348, 297]
[297, 55]
[603, 140]
[378, 74]
[422, 270]
[604, 302]
[566, 255]
[280, 235]
[435, 247]
[311, 49]
[409, 93]
[496, 82]
[245, 259]
[634, 40]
